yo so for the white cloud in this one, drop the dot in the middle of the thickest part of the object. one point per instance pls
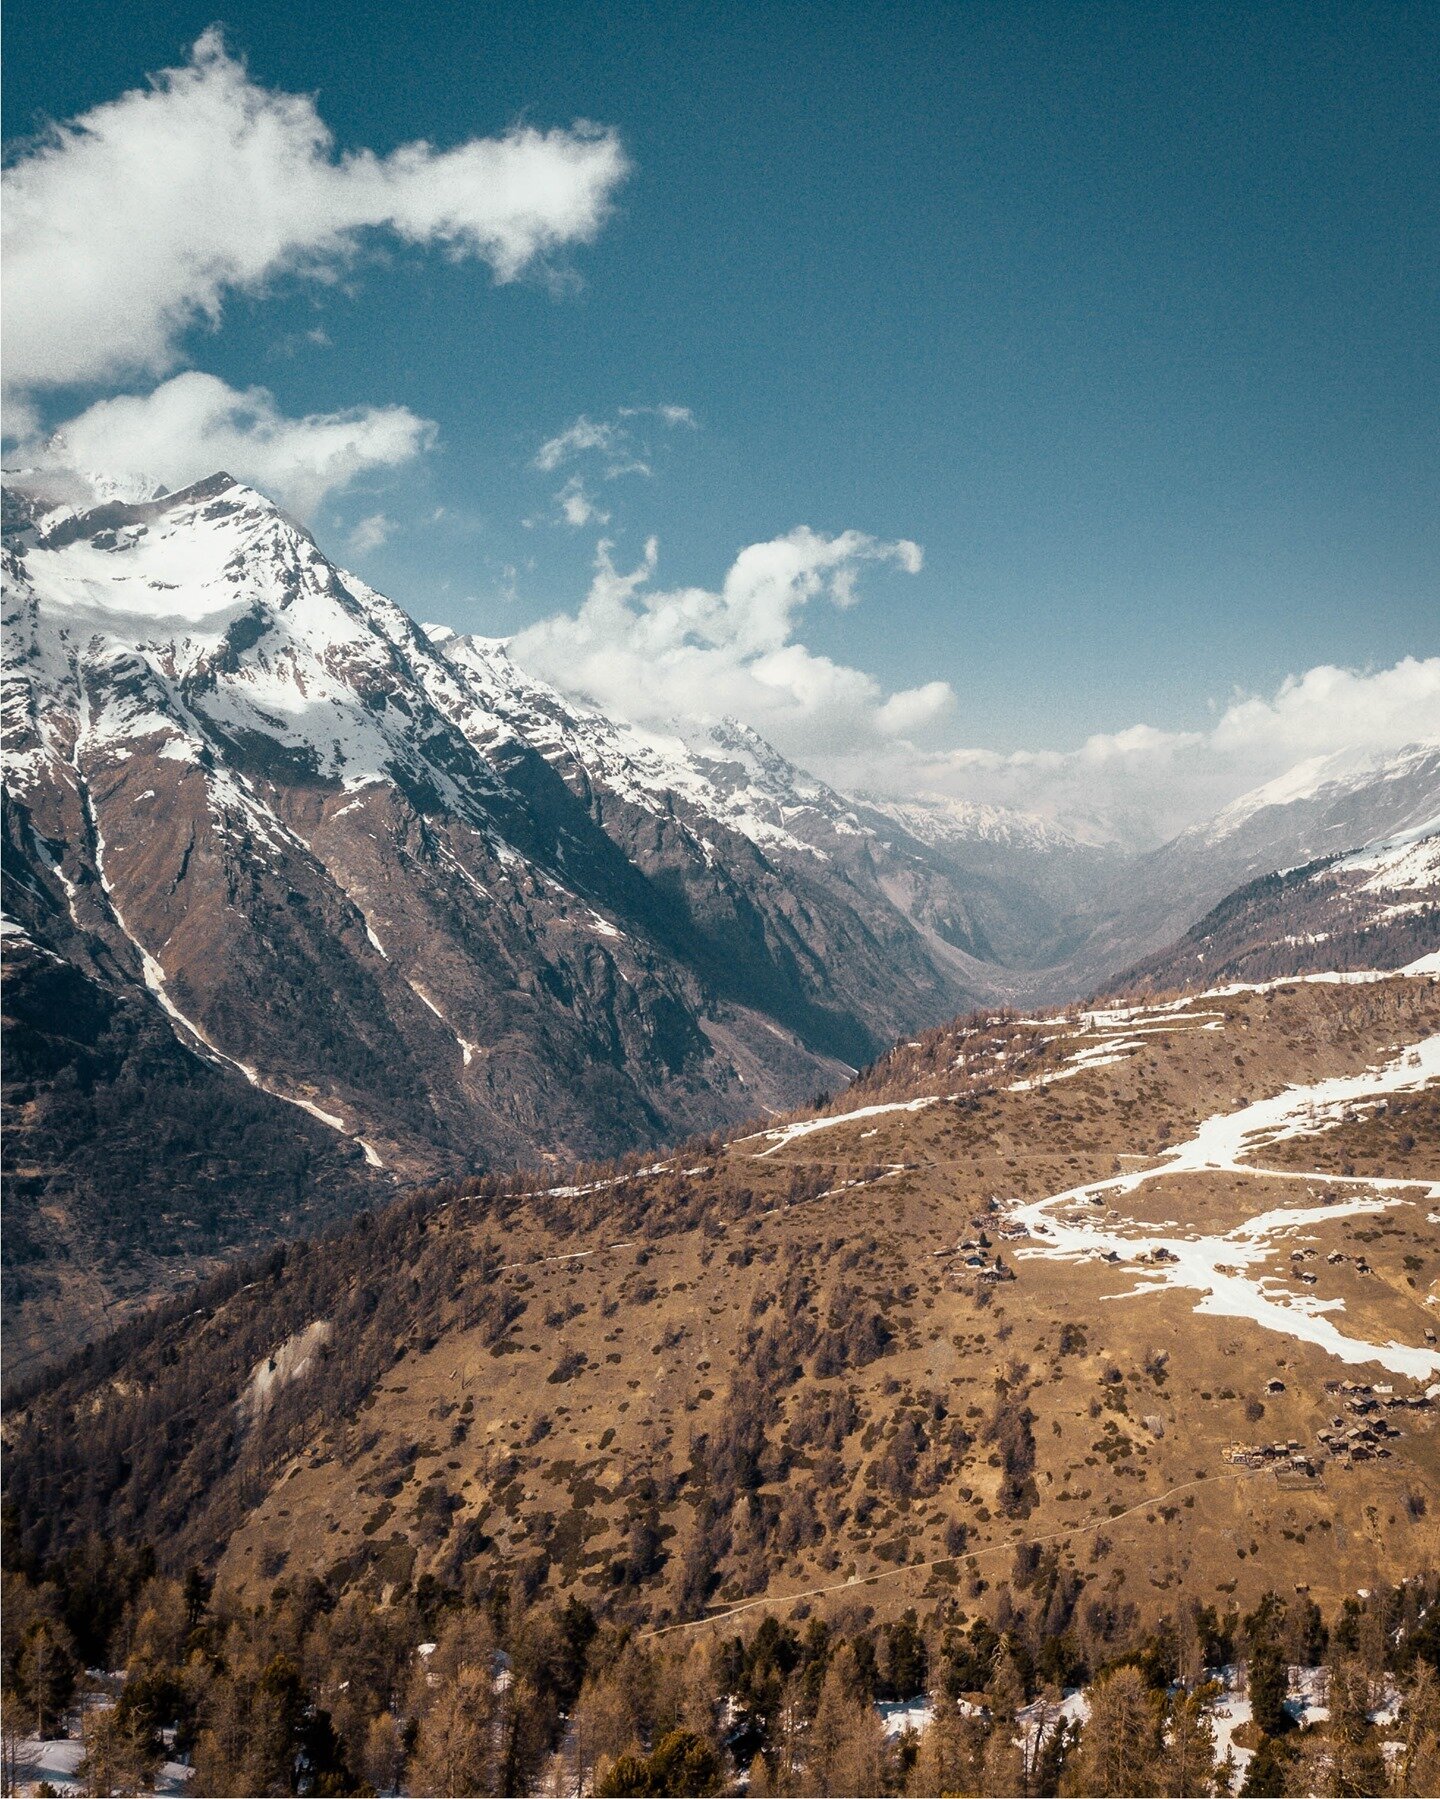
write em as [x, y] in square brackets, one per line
[193, 425]
[613, 446]
[616, 445]
[1144, 783]
[130, 224]
[668, 415]
[577, 505]
[663, 656]
[915, 708]
[574, 440]
[658, 655]
[370, 533]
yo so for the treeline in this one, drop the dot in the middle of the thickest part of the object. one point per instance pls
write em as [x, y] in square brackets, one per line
[485, 1688]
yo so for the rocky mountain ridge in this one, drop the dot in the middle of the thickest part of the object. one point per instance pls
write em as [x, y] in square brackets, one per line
[1374, 908]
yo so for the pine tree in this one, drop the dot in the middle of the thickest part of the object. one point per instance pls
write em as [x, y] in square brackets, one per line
[454, 1752]
[951, 1750]
[1003, 1765]
[118, 1755]
[844, 1752]
[1187, 1763]
[14, 1727]
[1267, 1682]
[859, 1767]
[45, 1673]
[1119, 1745]
[1351, 1760]
[615, 1713]
[1051, 1757]
[1268, 1775]
[1417, 1769]
[384, 1755]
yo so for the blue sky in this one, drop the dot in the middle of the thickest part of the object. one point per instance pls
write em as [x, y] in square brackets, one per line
[1125, 314]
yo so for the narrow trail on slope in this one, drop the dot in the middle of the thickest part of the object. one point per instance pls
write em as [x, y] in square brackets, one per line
[857, 1581]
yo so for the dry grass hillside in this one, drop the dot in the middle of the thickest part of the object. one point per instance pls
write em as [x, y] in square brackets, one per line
[866, 1354]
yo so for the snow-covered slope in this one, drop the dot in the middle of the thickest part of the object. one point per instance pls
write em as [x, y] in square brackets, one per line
[940, 821]
[725, 772]
[1404, 871]
[1334, 788]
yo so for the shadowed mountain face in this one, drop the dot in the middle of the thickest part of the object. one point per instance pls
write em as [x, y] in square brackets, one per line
[403, 905]
[302, 902]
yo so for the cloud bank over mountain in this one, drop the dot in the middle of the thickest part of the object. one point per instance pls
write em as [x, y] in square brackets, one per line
[1146, 783]
[659, 655]
[194, 424]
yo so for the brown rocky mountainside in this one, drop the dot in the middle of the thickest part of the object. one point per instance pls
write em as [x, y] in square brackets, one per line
[1151, 1290]
[304, 904]
[402, 912]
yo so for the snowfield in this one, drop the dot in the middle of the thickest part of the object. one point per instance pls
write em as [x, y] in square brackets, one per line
[1221, 1268]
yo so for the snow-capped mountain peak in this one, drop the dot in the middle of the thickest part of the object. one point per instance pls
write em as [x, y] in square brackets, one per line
[390, 883]
[1324, 781]
[416, 907]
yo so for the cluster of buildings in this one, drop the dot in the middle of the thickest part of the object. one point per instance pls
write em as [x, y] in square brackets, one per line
[975, 1259]
[1336, 1256]
[978, 1260]
[1360, 1432]
[1287, 1456]
[1363, 1398]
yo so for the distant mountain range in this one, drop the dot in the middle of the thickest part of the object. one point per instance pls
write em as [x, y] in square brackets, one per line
[302, 900]
[1324, 807]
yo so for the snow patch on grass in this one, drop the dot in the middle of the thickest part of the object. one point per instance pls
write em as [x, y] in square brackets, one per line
[1224, 1268]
